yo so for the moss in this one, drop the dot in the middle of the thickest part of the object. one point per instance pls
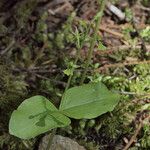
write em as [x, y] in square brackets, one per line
[133, 82]
[146, 3]
[12, 91]
[23, 11]
[145, 139]
[11, 86]
[11, 143]
[3, 29]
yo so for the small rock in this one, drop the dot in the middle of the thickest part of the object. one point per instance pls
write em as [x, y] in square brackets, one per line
[60, 143]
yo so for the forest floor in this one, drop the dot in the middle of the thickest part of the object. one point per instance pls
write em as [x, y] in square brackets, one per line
[36, 51]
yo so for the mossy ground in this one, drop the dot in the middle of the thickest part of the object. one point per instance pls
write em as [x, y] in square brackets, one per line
[35, 65]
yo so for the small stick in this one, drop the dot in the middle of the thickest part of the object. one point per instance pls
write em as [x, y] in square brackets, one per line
[143, 45]
[122, 64]
[143, 8]
[105, 29]
[122, 47]
[133, 138]
[93, 40]
[8, 47]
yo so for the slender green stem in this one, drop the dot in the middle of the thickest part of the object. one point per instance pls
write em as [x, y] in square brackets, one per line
[70, 77]
[50, 141]
[93, 40]
[92, 44]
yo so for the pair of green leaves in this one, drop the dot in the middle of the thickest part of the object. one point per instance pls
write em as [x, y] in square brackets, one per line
[37, 114]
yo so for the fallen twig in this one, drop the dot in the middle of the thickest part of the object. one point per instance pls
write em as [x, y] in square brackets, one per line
[52, 80]
[8, 47]
[122, 64]
[143, 8]
[133, 138]
[122, 47]
[65, 5]
[143, 45]
[117, 35]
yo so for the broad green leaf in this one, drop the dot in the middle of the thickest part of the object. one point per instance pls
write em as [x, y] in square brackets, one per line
[34, 116]
[88, 101]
